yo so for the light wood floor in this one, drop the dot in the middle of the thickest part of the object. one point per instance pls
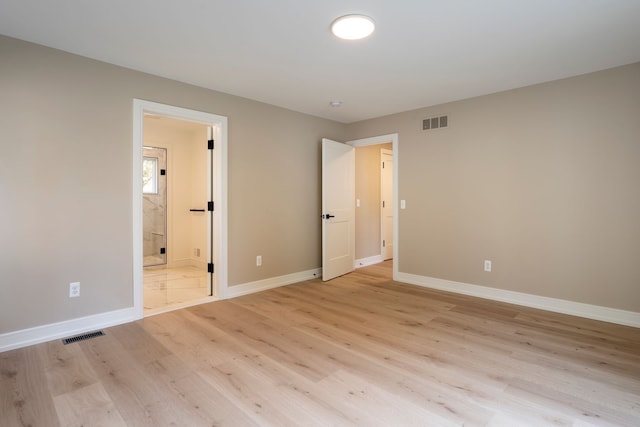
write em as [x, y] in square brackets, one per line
[359, 350]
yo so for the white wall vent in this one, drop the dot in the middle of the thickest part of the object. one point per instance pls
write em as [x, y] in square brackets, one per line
[436, 122]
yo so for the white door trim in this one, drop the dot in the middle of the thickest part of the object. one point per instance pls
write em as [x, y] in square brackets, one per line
[219, 123]
[384, 139]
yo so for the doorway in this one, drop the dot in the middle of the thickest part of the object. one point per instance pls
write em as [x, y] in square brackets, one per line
[374, 204]
[368, 215]
[175, 239]
[195, 234]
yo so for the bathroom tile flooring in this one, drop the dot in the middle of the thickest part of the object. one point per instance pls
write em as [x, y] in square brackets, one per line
[167, 286]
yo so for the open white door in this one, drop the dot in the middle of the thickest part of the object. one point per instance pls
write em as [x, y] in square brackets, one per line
[338, 212]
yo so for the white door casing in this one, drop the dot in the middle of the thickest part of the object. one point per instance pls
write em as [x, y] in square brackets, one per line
[386, 205]
[338, 210]
[218, 164]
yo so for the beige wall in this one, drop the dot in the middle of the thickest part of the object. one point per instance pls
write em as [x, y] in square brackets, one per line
[368, 191]
[66, 182]
[543, 181]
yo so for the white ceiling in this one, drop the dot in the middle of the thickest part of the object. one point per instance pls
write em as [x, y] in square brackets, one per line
[281, 52]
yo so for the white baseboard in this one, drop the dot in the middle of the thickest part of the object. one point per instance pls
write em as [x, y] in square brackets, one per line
[39, 334]
[202, 265]
[187, 262]
[363, 262]
[273, 282]
[596, 312]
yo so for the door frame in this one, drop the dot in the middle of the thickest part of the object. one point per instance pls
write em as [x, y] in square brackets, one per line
[384, 139]
[219, 245]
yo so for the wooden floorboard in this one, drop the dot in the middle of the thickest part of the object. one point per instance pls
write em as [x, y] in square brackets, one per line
[358, 350]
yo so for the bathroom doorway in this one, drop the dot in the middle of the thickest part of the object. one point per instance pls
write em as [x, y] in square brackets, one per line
[176, 177]
[202, 164]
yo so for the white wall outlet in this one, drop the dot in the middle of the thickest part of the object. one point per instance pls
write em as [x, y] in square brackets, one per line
[74, 289]
[357, 203]
[403, 204]
[487, 265]
[259, 260]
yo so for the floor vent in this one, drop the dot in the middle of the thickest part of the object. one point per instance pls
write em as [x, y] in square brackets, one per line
[82, 337]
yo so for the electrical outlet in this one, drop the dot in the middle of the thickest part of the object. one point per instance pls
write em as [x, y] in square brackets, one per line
[259, 260]
[74, 289]
[487, 265]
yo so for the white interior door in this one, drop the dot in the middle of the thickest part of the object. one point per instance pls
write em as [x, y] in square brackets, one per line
[338, 212]
[386, 213]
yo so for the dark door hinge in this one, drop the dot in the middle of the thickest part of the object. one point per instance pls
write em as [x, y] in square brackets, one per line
[210, 268]
[210, 206]
[210, 144]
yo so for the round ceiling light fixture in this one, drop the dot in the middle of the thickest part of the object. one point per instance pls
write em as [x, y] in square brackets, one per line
[353, 27]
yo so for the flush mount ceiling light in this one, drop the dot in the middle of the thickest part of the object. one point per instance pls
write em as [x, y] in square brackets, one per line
[335, 103]
[353, 27]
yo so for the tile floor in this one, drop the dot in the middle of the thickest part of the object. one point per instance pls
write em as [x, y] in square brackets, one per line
[164, 286]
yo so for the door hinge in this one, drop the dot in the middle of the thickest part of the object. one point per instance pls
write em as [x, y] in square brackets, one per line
[210, 206]
[382, 165]
[163, 250]
[163, 171]
[210, 144]
[210, 268]
[384, 243]
[383, 204]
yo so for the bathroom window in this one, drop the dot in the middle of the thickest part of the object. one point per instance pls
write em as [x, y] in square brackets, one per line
[150, 175]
